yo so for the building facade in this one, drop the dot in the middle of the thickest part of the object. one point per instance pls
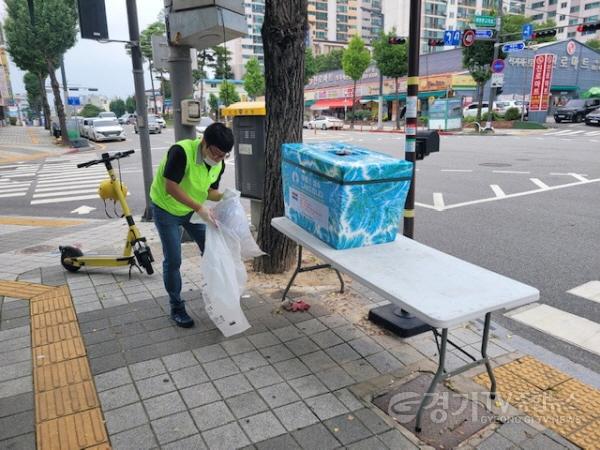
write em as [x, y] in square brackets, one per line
[567, 14]
[6, 94]
[243, 49]
[204, 88]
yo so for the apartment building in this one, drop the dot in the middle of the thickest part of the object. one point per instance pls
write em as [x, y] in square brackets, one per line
[250, 46]
[567, 14]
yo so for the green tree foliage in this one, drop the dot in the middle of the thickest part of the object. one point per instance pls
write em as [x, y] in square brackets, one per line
[228, 94]
[329, 61]
[34, 93]
[512, 26]
[477, 59]
[118, 107]
[90, 110]
[213, 103]
[310, 65]
[39, 46]
[221, 63]
[130, 104]
[204, 58]
[254, 80]
[594, 43]
[392, 61]
[355, 61]
[165, 87]
[155, 28]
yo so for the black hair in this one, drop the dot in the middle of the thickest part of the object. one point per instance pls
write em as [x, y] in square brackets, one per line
[220, 136]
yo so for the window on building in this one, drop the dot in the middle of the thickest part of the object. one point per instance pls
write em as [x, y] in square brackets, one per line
[321, 16]
[551, 14]
[564, 4]
[321, 6]
[592, 5]
[321, 25]
[571, 34]
[574, 9]
[562, 17]
[537, 5]
[537, 17]
[552, 2]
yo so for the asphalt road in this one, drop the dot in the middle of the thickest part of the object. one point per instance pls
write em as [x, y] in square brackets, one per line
[526, 207]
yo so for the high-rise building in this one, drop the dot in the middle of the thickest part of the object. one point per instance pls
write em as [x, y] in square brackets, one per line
[250, 46]
[567, 14]
[6, 93]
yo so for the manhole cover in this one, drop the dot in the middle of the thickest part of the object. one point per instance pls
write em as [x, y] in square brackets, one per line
[40, 249]
[449, 418]
[493, 164]
[522, 159]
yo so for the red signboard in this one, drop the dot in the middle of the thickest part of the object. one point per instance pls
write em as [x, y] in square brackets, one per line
[540, 82]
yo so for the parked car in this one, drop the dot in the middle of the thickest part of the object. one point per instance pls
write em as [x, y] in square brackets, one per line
[127, 119]
[107, 115]
[153, 125]
[471, 109]
[204, 122]
[84, 126]
[502, 106]
[325, 123]
[593, 118]
[576, 109]
[160, 121]
[105, 129]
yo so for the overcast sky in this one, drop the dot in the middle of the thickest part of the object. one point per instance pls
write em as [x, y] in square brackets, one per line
[103, 66]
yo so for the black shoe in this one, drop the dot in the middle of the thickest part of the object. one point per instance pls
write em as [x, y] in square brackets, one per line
[182, 319]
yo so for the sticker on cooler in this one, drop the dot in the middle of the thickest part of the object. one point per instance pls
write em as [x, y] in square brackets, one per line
[309, 207]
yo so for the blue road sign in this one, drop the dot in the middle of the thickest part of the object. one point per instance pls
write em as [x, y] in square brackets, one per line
[452, 37]
[527, 31]
[511, 47]
[484, 34]
[73, 101]
[498, 66]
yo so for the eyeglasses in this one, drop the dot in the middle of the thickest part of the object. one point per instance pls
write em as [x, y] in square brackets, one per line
[216, 153]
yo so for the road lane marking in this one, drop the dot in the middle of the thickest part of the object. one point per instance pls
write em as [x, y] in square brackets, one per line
[589, 291]
[578, 176]
[456, 170]
[539, 183]
[511, 171]
[438, 201]
[67, 180]
[54, 193]
[497, 190]
[63, 199]
[556, 133]
[66, 188]
[560, 324]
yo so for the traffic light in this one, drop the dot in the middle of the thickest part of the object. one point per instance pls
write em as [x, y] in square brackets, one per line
[587, 27]
[543, 34]
[435, 42]
[393, 40]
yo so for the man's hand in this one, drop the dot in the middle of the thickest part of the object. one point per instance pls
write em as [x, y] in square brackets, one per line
[207, 215]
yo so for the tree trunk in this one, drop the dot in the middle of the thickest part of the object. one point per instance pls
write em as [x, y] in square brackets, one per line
[58, 104]
[45, 105]
[480, 87]
[397, 106]
[353, 102]
[283, 34]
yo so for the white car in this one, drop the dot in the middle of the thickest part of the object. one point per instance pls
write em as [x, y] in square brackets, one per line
[204, 122]
[105, 130]
[325, 123]
[501, 106]
[160, 121]
[471, 109]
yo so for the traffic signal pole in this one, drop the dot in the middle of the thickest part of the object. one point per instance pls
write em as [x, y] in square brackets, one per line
[492, 96]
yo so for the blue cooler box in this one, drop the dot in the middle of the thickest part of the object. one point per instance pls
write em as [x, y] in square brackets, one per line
[344, 195]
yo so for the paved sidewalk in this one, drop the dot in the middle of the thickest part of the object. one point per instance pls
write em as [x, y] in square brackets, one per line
[313, 380]
[27, 143]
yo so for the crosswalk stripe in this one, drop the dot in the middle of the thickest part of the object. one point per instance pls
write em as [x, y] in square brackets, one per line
[438, 200]
[66, 180]
[593, 133]
[63, 199]
[589, 291]
[21, 189]
[555, 133]
[72, 184]
[14, 194]
[54, 193]
[63, 187]
[560, 324]
[572, 133]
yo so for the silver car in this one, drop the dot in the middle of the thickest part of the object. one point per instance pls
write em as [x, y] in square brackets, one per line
[153, 125]
[105, 130]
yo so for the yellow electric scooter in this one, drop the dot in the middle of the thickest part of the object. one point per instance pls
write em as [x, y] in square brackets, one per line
[136, 252]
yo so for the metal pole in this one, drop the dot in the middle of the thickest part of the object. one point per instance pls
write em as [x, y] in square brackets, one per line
[380, 111]
[140, 103]
[65, 89]
[411, 111]
[180, 70]
[152, 85]
[492, 96]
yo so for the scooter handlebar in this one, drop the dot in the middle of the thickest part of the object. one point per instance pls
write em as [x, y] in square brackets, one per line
[106, 157]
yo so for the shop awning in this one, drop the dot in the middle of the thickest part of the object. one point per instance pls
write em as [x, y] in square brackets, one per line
[333, 103]
[558, 87]
[308, 103]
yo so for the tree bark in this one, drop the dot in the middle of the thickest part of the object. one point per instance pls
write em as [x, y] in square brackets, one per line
[58, 104]
[480, 87]
[283, 33]
[45, 105]
[397, 106]
[353, 102]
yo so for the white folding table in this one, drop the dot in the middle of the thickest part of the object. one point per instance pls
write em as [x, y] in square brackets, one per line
[441, 290]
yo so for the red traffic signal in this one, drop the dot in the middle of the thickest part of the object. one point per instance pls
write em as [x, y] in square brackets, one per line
[396, 40]
[585, 27]
[435, 42]
[543, 34]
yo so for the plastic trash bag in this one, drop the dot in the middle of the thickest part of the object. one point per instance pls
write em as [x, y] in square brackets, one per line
[224, 280]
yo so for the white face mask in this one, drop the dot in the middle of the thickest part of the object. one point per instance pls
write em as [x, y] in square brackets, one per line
[210, 162]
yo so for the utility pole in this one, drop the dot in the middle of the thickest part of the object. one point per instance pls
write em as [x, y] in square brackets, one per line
[492, 96]
[140, 103]
[380, 109]
[152, 85]
[182, 86]
[65, 88]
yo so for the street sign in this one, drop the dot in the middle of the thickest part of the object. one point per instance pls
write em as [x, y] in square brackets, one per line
[511, 47]
[468, 38]
[452, 37]
[485, 21]
[497, 80]
[527, 31]
[484, 34]
[73, 101]
[498, 66]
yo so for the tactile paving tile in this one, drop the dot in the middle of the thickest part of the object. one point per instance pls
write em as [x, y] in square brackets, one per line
[67, 400]
[509, 386]
[554, 413]
[583, 397]
[62, 374]
[53, 318]
[51, 304]
[536, 372]
[588, 437]
[21, 289]
[56, 333]
[58, 352]
[76, 431]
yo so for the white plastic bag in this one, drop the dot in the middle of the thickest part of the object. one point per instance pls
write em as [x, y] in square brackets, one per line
[224, 280]
[231, 216]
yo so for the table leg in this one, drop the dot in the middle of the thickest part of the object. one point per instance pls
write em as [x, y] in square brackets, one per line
[484, 343]
[436, 378]
[341, 281]
[296, 271]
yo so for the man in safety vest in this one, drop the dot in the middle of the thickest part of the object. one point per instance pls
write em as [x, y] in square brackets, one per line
[187, 176]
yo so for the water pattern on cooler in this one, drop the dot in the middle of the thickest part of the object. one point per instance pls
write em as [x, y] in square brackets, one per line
[345, 195]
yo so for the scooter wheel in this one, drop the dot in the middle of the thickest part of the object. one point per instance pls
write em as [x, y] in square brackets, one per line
[69, 252]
